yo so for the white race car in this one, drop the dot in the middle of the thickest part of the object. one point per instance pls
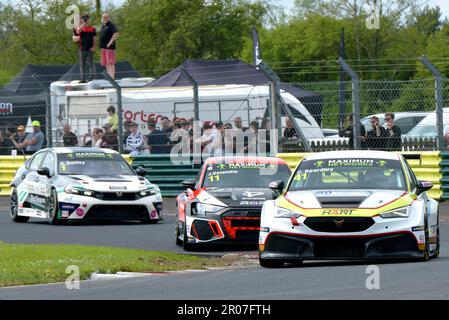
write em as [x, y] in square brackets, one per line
[60, 184]
[349, 205]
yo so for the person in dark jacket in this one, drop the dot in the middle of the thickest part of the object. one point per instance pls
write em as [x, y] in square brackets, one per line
[348, 132]
[393, 141]
[157, 140]
[376, 138]
[70, 139]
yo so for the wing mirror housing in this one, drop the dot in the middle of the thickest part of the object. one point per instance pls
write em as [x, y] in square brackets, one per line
[141, 171]
[189, 184]
[277, 186]
[423, 186]
[44, 172]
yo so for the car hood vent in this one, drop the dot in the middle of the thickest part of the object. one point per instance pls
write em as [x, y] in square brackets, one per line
[340, 202]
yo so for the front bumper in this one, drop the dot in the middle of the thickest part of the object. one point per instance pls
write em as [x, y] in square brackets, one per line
[290, 246]
[76, 207]
[229, 226]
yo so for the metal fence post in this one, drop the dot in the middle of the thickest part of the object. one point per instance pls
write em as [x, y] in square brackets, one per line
[119, 109]
[355, 101]
[48, 120]
[271, 75]
[196, 102]
[438, 99]
[196, 114]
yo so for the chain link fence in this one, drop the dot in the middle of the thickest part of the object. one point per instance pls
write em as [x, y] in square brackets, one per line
[323, 113]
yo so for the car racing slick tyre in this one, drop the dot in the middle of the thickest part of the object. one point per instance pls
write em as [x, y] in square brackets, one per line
[271, 263]
[177, 240]
[14, 208]
[426, 253]
[53, 209]
[185, 245]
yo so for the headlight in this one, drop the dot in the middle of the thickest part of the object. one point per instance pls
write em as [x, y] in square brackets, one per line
[203, 209]
[81, 192]
[396, 213]
[148, 192]
[285, 213]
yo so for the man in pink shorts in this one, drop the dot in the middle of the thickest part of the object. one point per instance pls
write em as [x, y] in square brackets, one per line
[108, 36]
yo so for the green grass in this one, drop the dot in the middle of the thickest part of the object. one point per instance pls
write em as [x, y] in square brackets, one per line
[22, 264]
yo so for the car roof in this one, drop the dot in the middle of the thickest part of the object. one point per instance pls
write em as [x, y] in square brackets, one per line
[244, 159]
[344, 154]
[59, 150]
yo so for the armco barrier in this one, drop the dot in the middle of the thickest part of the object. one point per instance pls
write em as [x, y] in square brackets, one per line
[425, 165]
[445, 174]
[8, 167]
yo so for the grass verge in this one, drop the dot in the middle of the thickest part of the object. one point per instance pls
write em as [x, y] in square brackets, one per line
[22, 264]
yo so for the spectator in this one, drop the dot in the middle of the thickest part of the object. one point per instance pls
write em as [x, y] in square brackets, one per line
[376, 137]
[290, 132]
[157, 140]
[265, 125]
[167, 129]
[19, 138]
[33, 141]
[134, 142]
[85, 35]
[393, 141]
[4, 148]
[206, 139]
[69, 138]
[254, 125]
[126, 132]
[108, 36]
[228, 141]
[241, 141]
[97, 137]
[112, 118]
[218, 144]
[7, 141]
[110, 139]
[87, 140]
[238, 124]
[348, 132]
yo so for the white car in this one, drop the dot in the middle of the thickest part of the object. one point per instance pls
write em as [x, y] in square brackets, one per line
[61, 184]
[349, 205]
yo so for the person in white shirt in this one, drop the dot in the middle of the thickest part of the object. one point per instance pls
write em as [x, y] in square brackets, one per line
[134, 142]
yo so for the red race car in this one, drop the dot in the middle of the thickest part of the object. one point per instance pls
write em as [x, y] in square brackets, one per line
[223, 204]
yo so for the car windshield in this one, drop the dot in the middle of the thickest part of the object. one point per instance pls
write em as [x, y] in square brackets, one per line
[92, 164]
[348, 173]
[244, 175]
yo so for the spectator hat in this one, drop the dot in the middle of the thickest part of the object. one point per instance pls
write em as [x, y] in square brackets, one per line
[132, 124]
[218, 124]
[107, 125]
[20, 128]
[36, 123]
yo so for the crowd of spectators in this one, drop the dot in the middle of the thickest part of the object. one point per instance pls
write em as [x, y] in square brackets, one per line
[215, 138]
[379, 137]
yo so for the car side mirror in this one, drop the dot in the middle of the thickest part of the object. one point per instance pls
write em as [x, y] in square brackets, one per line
[189, 184]
[423, 186]
[141, 171]
[277, 186]
[44, 172]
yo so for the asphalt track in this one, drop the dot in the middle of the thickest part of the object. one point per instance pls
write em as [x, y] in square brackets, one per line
[314, 280]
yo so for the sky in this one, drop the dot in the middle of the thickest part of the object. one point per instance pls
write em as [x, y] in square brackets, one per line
[288, 4]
